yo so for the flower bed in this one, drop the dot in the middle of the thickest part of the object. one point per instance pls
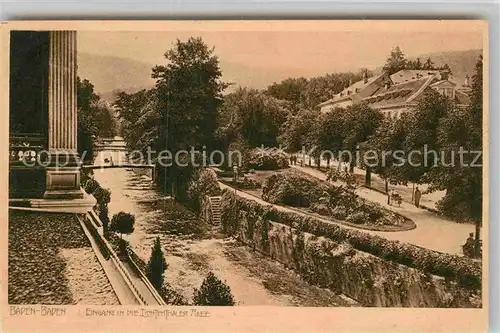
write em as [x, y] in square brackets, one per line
[292, 189]
[462, 270]
[295, 189]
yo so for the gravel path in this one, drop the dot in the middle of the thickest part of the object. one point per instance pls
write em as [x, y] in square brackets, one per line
[40, 270]
[86, 279]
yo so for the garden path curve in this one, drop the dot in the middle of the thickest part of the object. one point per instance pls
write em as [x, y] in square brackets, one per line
[432, 231]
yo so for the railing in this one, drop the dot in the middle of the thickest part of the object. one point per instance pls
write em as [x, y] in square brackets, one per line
[159, 300]
[145, 280]
[121, 269]
[24, 150]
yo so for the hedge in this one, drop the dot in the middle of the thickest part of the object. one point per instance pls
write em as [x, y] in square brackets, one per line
[464, 271]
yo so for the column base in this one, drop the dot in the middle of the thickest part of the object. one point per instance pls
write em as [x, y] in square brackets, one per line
[83, 204]
[63, 194]
[63, 183]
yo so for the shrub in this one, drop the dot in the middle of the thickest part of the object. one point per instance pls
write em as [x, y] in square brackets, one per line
[246, 183]
[463, 270]
[267, 159]
[104, 217]
[292, 189]
[91, 185]
[213, 292]
[357, 218]
[203, 182]
[373, 210]
[320, 208]
[123, 223]
[102, 195]
[156, 266]
[339, 212]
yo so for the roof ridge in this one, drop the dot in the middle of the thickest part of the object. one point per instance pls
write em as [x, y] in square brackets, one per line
[425, 85]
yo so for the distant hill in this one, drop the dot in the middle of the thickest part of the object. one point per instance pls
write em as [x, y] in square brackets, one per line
[111, 73]
[461, 63]
[108, 74]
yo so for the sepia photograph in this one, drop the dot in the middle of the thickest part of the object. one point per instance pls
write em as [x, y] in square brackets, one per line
[338, 164]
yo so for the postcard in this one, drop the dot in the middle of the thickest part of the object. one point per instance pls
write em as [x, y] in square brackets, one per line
[279, 176]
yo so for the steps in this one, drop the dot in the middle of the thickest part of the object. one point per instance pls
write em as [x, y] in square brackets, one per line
[215, 206]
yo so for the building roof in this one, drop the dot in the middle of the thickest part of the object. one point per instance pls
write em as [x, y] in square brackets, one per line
[444, 83]
[349, 92]
[406, 75]
[398, 94]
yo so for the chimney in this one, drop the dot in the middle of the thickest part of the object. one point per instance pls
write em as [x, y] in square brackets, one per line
[365, 77]
[466, 81]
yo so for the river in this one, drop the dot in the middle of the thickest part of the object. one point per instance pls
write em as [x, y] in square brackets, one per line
[192, 249]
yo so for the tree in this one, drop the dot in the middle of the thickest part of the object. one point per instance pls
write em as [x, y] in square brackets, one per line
[295, 129]
[361, 122]
[388, 138]
[423, 128]
[213, 292]
[428, 65]
[123, 223]
[190, 92]
[327, 134]
[95, 118]
[461, 129]
[156, 266]
[414, 64]
[293, 90]
[252, 116]
[395, 62]
[138, 116]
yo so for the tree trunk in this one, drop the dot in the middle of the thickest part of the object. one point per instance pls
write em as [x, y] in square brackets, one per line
[387, 191]
[368, 177]
[351, 167]
[310, 161]
[318, 161]
[477, 247]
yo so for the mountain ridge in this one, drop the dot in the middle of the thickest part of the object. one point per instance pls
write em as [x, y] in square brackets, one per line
[112, 73]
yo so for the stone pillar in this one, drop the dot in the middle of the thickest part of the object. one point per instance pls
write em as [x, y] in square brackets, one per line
[63, 171]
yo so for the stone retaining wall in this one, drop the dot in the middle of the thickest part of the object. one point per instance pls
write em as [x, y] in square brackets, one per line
[336, 265]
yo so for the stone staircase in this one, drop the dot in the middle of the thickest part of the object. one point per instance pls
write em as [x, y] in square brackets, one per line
[215, 206]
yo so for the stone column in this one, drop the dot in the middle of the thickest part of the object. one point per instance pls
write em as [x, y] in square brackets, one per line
[63, 171]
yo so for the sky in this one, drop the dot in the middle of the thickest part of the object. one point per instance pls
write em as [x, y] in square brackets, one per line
[306, 47]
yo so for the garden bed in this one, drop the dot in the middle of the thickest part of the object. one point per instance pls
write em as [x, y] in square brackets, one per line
[51, 262]
[304, 193]
[465, 272]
